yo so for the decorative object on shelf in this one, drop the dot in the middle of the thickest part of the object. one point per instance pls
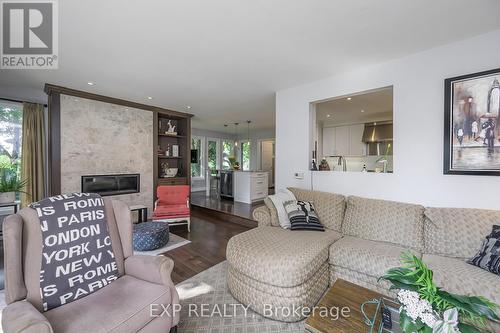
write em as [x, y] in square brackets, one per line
[167, 151]
[314, 166]
[10, 184]
[323, 166]
[168, 172]
[171, 172]
[427, 308]
[170, 129]
[164, 168]
[472, 119]
[175, 150]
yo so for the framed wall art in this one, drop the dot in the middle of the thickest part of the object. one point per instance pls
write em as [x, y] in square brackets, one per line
[472, 124]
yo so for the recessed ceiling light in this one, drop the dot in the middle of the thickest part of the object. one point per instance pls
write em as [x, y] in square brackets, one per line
[90, 83]
[349, 98]
[328, 116]
[362, 111]
[149, 97]
[188, 107]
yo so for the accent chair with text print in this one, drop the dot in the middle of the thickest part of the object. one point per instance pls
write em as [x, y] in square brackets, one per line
[134, 302]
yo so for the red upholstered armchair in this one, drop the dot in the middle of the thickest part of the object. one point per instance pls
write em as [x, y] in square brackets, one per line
[172, 205]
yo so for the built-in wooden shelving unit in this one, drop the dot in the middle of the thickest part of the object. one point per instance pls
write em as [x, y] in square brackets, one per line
[164, 141]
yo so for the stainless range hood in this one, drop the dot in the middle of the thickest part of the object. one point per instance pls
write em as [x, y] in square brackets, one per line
[377, 132]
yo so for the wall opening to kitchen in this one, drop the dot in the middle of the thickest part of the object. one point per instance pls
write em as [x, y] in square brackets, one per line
[353, 132]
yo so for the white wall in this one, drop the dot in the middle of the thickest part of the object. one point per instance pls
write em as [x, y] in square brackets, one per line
[418, 82]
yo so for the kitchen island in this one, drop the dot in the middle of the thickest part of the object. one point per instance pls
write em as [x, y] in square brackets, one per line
[250, 186]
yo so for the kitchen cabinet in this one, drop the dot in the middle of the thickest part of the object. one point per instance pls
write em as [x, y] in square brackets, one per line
[328, 141]
[356, 146]
[344, 140]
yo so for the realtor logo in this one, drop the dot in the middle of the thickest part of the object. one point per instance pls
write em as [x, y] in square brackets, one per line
[29, 34]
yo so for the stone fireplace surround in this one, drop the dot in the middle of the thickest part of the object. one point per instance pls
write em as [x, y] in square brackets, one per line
[99, 138]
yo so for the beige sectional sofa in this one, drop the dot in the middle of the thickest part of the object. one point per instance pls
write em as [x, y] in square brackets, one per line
[363, 238]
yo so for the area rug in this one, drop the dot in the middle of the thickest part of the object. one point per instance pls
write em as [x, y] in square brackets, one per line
[174, 242]
[210, 287]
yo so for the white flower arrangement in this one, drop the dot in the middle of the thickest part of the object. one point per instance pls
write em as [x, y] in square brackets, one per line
[417, 308]
[426, 308]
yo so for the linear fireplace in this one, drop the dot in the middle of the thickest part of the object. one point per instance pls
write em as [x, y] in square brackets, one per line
[111, 184]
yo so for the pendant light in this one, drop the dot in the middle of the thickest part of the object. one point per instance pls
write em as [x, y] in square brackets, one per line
[236, 134]
[248, 130]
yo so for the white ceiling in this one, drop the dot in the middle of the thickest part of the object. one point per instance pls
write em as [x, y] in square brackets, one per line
[358, 108]
[226, 58]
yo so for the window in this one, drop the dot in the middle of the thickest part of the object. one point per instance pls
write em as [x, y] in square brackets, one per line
[227, 154]
[11, 120]
[197, 157]
[245, 155]
[213, 154]
[350, 134]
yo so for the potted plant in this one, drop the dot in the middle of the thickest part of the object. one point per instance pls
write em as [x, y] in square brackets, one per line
[10, 183]
[234, 164]
[426, 308]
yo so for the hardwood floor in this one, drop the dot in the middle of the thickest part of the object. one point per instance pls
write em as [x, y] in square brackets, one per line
[209, 237]
[231, 207]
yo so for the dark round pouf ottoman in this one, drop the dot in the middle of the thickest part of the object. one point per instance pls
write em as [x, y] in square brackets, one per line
[150, 236]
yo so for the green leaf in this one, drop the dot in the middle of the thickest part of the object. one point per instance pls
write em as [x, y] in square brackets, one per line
[407, 325]
[474, 305]
[399, 285]
[400, 274]
[466, 328]
[426, 329]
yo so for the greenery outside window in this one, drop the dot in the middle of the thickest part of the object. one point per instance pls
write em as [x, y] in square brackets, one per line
[213, 154]
[11, 120]
[227, 152]
[245, 155]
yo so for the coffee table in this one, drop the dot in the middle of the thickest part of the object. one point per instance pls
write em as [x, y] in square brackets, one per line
[344, 294]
